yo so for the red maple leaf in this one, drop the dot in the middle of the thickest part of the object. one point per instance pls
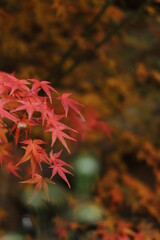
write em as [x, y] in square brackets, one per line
[29, 105]
[58, 166]
[44, 110]
[35, 153]
[40, 183]
[11, 168]
[22, 125]
[54, 158]
[4, 113]
[16, 84]
[69, 102]
[37, 86]
[93, 123]
[56, 128]
[58, 133]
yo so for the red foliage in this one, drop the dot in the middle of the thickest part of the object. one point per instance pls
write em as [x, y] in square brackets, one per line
[21, 108]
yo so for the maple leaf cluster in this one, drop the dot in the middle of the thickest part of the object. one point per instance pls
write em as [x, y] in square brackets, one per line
[23, 107]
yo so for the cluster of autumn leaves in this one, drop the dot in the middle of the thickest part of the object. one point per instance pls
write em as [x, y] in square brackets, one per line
[21, 108]
[120, 81]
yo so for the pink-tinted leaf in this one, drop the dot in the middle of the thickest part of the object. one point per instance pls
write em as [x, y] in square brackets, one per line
[69, 102]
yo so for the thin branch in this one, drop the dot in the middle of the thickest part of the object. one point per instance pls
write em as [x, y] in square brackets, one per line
[97, 18]
[106, 39]
[85, 34]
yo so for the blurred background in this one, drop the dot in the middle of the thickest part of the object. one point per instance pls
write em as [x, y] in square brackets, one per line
[107, 54]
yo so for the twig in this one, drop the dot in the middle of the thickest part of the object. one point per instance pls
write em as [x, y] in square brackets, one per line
[85, 34]
[106, 39]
